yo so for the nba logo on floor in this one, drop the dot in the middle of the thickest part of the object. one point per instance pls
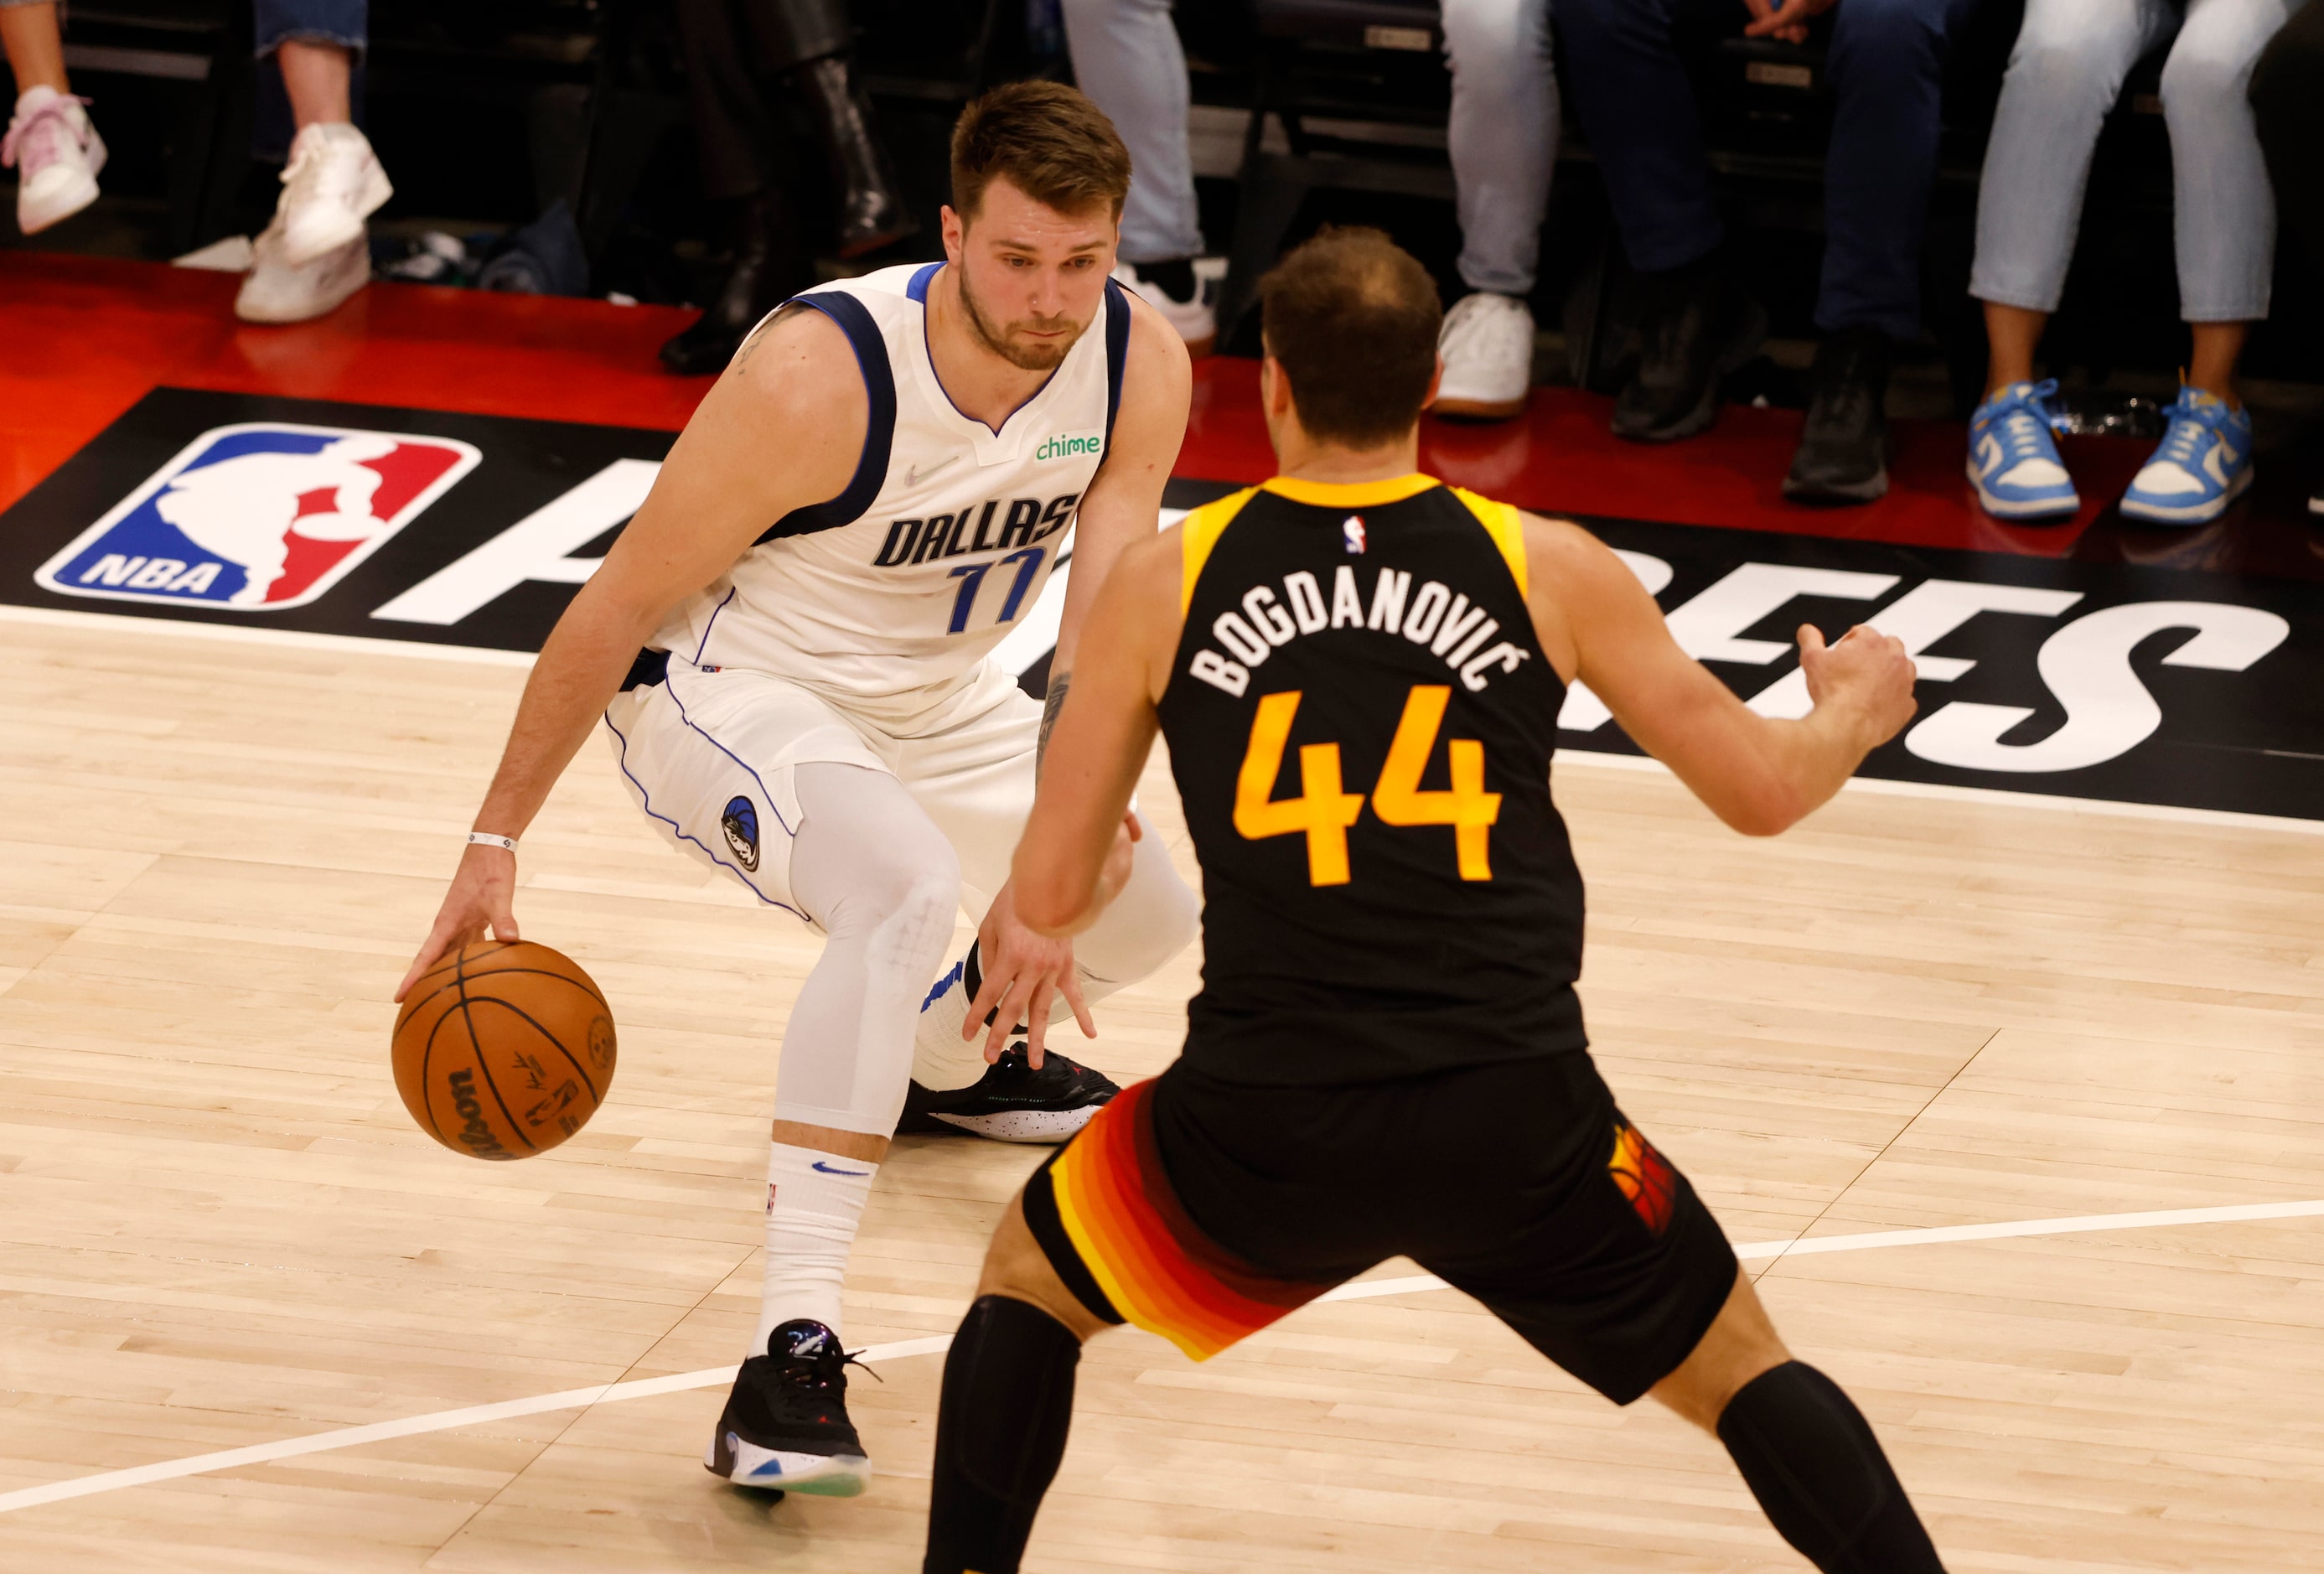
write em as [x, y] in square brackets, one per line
[258, 517]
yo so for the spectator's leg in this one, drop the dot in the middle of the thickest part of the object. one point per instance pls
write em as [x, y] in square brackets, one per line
[1504, 145]
[2223, 206]
[2064, 74]
[806, 45]
[315, 254]
[50, 143]
[1887, 69]
[36, 49]
[1128, 59]
[733, 134]
[1503, 136]
[1632, 94]
[2225, 220]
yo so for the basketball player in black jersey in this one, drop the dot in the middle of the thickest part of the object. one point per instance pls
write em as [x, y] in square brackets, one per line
[1359, 672]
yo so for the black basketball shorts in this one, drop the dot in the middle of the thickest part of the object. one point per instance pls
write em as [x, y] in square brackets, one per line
[1203, 1210]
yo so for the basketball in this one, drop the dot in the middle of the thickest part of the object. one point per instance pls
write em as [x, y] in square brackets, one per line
[503, 1050]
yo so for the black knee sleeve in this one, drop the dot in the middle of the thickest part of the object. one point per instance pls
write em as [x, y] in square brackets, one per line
[1001, 1429]
[1810, 1458]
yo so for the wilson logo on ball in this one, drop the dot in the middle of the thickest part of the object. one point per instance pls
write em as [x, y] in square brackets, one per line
[503, 1050]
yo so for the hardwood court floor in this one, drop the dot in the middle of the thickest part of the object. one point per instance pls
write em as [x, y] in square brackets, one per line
[218, 1227]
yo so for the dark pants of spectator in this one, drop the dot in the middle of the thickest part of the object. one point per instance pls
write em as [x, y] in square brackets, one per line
[732, 47]
[1886, 66]
[2287, 95]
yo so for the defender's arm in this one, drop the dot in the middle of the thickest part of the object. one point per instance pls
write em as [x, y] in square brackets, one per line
[1758, 774]
[1120, 508]
[780, 430]
[1075, 856]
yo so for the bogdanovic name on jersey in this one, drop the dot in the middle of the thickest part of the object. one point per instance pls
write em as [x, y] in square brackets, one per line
[1028, 520]
[1436, 617]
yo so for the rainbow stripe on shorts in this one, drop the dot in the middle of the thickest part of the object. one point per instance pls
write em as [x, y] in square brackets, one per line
[1152, 1263]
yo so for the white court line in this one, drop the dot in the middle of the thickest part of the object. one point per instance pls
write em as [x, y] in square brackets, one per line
[712, 1376]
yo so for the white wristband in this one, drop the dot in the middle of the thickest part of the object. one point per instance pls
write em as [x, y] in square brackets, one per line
[486, 838]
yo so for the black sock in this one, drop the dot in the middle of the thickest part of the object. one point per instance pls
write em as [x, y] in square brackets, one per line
[1175, 278]
[1811, 1459]
[1001, 1429]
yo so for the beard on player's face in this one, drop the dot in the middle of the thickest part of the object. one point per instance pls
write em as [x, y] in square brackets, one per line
[1009, 340]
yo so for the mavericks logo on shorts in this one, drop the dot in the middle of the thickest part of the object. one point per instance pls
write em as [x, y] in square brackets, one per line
[258, 517]
[740, 820]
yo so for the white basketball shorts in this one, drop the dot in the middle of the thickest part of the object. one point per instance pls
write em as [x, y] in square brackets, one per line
[709, 755]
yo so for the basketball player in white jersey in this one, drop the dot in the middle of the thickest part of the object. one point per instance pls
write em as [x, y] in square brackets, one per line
[867, 501]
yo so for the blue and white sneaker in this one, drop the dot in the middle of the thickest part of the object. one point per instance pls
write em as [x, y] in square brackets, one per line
[2013, 459]
[2203, 464]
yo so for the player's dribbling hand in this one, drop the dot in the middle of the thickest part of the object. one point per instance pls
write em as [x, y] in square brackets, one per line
[1023, 974]
[1868, 671]
[482, 898]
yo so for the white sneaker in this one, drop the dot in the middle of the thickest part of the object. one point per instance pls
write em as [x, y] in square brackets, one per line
[1487, 344]
[1196, 320]
[278, 290]
[332, 184]
[57, 154]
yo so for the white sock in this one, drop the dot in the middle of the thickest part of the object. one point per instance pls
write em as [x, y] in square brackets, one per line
[814, 1201]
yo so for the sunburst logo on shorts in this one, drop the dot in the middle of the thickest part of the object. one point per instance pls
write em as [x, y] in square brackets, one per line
[1646, 1177]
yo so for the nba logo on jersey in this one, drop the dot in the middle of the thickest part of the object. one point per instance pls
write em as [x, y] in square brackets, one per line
[258, 517]
[1351, 529]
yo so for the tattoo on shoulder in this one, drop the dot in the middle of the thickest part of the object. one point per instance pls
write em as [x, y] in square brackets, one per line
[766, 324]
[1058, 684]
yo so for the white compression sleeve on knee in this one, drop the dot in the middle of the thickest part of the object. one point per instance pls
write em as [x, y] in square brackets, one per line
[1153, 919]
[884, 885]
[814, 1201]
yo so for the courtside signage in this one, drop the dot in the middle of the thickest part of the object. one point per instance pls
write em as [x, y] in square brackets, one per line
[2141, 683]
[258, 517]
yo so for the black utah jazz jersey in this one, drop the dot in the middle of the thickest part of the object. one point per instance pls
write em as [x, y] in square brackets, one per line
[1361, 722]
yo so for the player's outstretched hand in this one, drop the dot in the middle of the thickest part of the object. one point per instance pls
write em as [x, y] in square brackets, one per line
[483, 896]
[1023, 974]
[1867, 672]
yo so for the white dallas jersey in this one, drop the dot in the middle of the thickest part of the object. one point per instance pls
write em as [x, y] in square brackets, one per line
[947, 532]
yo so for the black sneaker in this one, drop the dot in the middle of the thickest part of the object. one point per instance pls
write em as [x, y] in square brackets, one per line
[1843, 453]
[1698, 327]
[786, 1425]
[1012, 1102]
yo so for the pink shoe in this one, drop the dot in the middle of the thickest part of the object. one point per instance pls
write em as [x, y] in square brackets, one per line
[57, 154]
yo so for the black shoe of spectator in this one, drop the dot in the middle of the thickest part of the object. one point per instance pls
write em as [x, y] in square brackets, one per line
[870, 214]
[1698, 327]
[767, 272]
[1843, 453]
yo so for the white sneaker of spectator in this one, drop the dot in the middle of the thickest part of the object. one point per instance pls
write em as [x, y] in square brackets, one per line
[278, 290]
[332, 183]
[1487, 344]
[1196, 320]
[57, 154]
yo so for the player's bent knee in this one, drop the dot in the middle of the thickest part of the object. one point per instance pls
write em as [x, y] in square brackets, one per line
[1015, 1266]
[1739, 1345]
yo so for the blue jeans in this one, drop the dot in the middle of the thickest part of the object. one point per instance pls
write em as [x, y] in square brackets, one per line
[1128, 59]
[345, 23]
[2064, 75]
[1502, 136]
[1886, 65]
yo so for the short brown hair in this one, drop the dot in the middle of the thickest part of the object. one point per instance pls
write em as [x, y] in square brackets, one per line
[1046, 139]
[1353, 318]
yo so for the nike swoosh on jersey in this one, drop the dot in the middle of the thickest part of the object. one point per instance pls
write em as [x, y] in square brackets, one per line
[915, 475]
